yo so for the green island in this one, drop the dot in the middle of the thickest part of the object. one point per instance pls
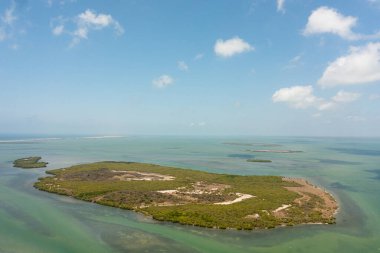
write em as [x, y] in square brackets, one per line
[195, 197]
[29, 163]
[259, 161]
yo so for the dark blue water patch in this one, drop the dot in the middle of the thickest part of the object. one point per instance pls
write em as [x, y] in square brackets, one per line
[338, 162]
[356, 151]
[377, 174]
[340, 186]
[243, 156]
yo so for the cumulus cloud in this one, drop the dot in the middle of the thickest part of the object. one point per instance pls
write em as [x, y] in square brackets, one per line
[281, 5]
[297, 96]
[182, 66]
[302, 97]
[361, 65]
[329, 20]
[231, 47]
[163, 81]
[85, 23]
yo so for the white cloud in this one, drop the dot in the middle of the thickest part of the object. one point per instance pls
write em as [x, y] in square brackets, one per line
[163, 81]
[328, 20]
[182, 66]
[345, 97]
[297, 96]
[58, 30]
[302, 97]
[280, 5]
[361, 65]
[231, 47]
[85, 23]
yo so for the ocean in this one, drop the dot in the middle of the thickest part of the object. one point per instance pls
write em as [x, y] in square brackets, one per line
[33, 221]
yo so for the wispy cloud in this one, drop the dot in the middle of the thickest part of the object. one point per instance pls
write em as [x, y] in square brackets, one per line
[85, 23]
[198, 57]
[163, 81]
[7, 20]
[294, 62]
[182, 66]
[281, 5]
[50, 3]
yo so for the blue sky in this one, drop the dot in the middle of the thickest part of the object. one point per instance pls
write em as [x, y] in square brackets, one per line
[257, 67]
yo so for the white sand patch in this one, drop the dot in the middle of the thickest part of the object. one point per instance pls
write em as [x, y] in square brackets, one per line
[168, 191]
[241, 197]
[283, 207]
[130, 175]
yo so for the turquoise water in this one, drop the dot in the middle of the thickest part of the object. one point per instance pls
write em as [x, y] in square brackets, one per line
[33, 221]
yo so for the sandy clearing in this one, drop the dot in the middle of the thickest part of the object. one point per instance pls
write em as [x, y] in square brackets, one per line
[283, 207]
[241, 197]
[130, 175]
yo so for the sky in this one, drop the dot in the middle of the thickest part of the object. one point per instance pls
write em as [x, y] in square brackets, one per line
[199, 67]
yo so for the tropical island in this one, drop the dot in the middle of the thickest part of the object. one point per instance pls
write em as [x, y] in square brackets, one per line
[195, 197]
[29, 163]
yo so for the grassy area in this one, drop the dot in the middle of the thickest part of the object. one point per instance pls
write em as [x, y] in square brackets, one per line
[182, 195]
[258, 161]
[29, 163]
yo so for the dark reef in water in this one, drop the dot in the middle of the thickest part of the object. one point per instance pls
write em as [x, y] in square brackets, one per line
[377, 174]
[356, 151]
[338, 162]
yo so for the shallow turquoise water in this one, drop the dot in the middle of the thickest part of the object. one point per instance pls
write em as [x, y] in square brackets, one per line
[34, 221]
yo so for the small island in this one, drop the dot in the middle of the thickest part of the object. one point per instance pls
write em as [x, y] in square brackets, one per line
[259, 161]
[29, 163]
[274, 151]
[195, 197]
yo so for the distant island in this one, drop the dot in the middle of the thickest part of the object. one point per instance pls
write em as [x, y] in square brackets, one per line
[259, 161]
[29, 163]
[195, 197]
[273, 151]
